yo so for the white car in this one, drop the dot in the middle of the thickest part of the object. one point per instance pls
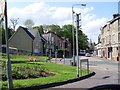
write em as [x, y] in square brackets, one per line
[87, 55]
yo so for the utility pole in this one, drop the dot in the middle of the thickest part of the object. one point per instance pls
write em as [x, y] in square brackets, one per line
[8, 63]
[73, 12]
[77, 25]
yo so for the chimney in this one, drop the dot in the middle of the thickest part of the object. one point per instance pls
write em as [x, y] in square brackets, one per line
[115, 15]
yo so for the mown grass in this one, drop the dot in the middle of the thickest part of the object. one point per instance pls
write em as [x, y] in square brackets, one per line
[62, 72]
[17, 57]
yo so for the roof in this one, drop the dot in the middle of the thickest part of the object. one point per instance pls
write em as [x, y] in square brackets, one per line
[54, 34]
[113, 20]
[32, 33]
[43, 38]
[28, 32]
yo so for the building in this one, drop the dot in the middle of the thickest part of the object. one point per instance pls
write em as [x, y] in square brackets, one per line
[28, 41]
[110, 39]
[98, 47]
[56, 42]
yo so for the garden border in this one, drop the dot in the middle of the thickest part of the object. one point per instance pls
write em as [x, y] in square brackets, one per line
[56, 83]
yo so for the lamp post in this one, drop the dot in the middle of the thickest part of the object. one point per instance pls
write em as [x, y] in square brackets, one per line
[77, 24]
[73, 12]
[8, 62]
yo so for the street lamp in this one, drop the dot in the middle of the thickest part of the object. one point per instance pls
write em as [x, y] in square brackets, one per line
[8, 62]
[73, 12]
[77, 24]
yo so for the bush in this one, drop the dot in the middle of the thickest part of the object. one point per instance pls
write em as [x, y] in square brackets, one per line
[25, 70]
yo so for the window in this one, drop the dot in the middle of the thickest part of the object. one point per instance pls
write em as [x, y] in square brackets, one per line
[113, 38]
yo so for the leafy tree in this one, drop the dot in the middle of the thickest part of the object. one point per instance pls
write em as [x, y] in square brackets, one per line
[10, 33]
[29, 23]
[91, 45]
[0, 36]
[82, 38]
[54, 28]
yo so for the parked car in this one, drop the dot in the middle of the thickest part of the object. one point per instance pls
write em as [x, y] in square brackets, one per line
[82, 53]
[87, 54]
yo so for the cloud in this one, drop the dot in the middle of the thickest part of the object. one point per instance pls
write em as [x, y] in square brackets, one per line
[42, 13]
[92, 27]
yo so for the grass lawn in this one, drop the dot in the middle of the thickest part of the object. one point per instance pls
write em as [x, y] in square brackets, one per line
[17, 57]
[62, 72]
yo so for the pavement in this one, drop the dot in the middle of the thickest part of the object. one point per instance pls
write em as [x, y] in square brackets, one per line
[107, 72]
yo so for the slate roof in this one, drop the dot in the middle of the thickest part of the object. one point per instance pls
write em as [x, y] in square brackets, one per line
[26, 30]
[32, 33]
[43, 38]
[113, 20]
[44, 35]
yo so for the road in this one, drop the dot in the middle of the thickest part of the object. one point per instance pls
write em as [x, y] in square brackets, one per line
[107, 72]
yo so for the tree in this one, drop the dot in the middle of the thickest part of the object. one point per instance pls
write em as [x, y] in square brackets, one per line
[0, 35]
[82, 38]
[10, 31]
[91, 45]
[14, 22]
[67, 31]
[54, 28]
[29, 23]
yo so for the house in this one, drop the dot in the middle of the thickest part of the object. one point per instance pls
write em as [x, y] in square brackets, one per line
[110, 39]
[98, 47]
[98, 50]
[56, 42]
[28, 41]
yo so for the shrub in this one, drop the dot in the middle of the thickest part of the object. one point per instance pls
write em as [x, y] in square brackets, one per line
[25, 70]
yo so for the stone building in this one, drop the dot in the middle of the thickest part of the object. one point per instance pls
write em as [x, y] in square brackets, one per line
[110, 39]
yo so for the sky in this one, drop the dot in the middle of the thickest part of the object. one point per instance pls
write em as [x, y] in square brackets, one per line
[44, 12]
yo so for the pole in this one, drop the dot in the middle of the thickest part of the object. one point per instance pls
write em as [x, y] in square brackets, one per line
[73, 37]
[56, 55]
[8, 63]
[64, 50]
[73, 30]
[77, 24]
